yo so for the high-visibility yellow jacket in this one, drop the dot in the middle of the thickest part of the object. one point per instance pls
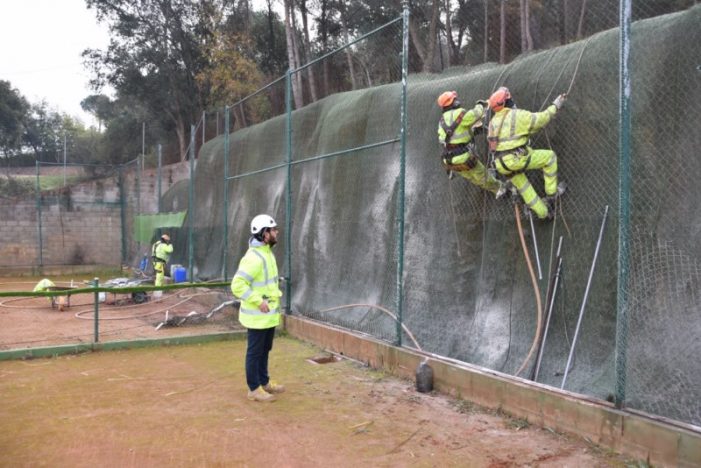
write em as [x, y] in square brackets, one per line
[256, 280]
[463, 133]
[162, 251]
[511, 128]
[44, 285]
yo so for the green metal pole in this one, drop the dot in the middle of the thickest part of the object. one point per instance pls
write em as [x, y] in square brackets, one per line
[191, 205]
[160, 175]
[288, 207]
[96, 283]
[226, 190]
[138, 194]
[623, 201]
[402, 171]
[122, 213]
[38, 192]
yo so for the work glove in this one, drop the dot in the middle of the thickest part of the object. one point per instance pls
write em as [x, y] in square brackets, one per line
[559, 101]
[482, 103]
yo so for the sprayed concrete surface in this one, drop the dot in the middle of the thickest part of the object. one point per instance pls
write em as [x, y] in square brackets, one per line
[187, 406]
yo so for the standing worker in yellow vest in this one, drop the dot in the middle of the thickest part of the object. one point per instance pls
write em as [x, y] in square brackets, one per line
[255, 283]
[160, 254]
[455, 133]
[509, 133]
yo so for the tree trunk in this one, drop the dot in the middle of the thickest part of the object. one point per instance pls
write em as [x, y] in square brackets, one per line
[416, 40]
[182, 138]
[527, 24]
[526, 38]
[502, 32]
[580, 26]
[486, 31]
[289, 34]
[324, 31]
[449, 34]
[432, 36]
[349, 56]
[308, 51]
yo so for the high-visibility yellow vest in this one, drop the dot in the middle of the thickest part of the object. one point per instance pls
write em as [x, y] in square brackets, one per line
[162, 251]
[256, 280]
[511, 128]
[463, 132]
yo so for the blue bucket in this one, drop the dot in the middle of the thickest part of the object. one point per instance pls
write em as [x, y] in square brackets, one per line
[179, 275]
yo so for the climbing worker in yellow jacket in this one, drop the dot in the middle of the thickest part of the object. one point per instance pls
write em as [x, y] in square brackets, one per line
[255, 283]
[508, 136]
[455, 133]
[160, 254]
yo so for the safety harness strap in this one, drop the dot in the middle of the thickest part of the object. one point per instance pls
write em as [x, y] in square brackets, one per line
[450, 129]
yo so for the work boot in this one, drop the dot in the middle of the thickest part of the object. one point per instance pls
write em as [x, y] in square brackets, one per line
[273, 387]
[259, 394]
[505, 188]
[561, 188]
[501, 191]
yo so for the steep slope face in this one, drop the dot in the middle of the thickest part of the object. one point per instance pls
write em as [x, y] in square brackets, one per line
[467, 290]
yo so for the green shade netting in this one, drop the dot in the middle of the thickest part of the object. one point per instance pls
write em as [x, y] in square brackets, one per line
[144, 225]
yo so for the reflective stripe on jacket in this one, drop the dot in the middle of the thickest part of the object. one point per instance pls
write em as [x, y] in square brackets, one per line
[256, 277]
[511, 128]
[162, 251]
[462, 134]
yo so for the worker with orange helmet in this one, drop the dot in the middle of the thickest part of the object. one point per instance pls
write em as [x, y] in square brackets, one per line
[160, 254]
[508, 137]
[456, 133]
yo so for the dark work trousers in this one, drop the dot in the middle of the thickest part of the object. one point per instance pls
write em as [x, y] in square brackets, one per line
[260, 342]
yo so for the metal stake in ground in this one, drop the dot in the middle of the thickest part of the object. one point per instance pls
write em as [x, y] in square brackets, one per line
[584, 300]
[550, 302]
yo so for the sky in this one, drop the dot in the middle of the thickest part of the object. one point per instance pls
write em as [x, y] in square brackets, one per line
[40, 46]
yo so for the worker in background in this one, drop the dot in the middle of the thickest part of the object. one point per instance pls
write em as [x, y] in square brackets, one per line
[455, 133]
[160, 254]
[255, 283]
[45, 285]
[508, 137]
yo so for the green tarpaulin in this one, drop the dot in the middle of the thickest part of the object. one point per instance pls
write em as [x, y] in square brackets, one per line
[144, 225]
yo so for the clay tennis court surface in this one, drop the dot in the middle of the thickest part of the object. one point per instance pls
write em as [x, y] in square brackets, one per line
[27, 322]
[186, 406]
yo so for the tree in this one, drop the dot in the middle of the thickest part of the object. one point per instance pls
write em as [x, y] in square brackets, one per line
[154, 56]
[14, 110]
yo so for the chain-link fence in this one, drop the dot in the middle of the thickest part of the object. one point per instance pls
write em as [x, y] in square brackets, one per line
[612, 313]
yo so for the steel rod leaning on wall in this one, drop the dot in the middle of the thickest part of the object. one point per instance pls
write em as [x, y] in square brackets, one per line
[584, 300]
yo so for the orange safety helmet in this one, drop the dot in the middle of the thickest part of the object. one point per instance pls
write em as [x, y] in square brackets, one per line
[447, 98]
[497, 101]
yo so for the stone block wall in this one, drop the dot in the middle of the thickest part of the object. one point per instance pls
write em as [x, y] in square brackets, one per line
[80, 224]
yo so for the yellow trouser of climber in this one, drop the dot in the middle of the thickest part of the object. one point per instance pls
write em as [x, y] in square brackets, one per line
[159, 267]
[539, 159]
[478, 175]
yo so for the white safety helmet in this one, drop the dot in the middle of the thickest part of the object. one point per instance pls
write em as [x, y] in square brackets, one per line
[261, 222]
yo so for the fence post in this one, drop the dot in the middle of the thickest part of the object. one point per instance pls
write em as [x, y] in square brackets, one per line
[191, 204]
[226, 189]
[402, 171]
[160, 175]
[38, 195]
[95, 283]
[288, 207]
[122, 213]
[623, 201]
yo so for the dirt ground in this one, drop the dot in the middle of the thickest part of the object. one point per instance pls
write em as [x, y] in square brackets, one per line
[187, 406]
[27, 322]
